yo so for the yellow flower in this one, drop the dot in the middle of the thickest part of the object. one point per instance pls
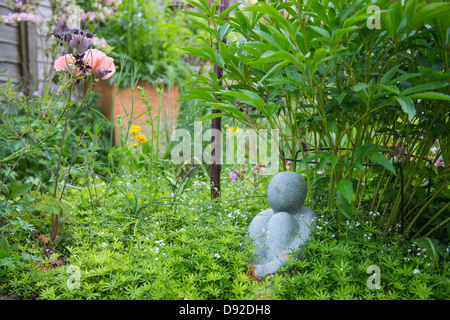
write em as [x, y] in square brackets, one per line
[141, 138]
[233, 130]
[135, 129]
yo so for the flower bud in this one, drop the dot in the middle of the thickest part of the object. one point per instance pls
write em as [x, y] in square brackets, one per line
[159, 84]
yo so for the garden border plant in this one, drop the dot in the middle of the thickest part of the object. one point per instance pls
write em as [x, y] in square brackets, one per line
[316, 70]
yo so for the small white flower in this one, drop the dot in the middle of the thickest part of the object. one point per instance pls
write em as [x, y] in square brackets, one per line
[217, 255]
[104, 244]
[416, 271]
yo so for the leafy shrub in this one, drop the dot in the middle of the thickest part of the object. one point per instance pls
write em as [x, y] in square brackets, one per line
[343, 93]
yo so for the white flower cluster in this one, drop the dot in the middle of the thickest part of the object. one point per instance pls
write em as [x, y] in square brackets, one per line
[350, 224]
[368, 236]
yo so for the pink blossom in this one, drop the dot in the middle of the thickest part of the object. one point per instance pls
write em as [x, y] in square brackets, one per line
[90, 15]
[65, 63]
[440, 162]
[12, 18]
[233, 175]
[102, 65]
[82, 15]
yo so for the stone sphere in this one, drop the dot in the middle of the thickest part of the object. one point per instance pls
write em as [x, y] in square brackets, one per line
[286, 192]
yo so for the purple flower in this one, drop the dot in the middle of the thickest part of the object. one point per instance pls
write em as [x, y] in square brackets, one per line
[233, 175]
[53, 87]
[38, 92]
[434, 150]
[61, 26]
[79, 43]
[398, 150]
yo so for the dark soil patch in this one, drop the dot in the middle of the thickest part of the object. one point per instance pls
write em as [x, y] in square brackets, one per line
[14, 296]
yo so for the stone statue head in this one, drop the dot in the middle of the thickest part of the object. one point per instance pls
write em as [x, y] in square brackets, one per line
[287, 192]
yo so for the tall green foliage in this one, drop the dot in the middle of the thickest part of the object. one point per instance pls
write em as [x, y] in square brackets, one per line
[329, 77]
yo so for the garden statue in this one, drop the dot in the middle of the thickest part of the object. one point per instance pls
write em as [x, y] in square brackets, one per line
[281, 230]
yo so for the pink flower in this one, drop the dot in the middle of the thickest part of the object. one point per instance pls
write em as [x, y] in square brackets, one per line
[66, 63]
[102, 66]
[440, 162]
[233, 175]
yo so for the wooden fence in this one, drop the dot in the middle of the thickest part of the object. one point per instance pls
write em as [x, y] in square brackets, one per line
[22, 50]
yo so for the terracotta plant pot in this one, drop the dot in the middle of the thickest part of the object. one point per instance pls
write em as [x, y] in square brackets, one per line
[127, 102]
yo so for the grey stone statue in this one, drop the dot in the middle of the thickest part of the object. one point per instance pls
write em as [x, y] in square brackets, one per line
[283, 229]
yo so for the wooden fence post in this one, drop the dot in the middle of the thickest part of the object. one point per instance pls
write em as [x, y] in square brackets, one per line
[216, 123]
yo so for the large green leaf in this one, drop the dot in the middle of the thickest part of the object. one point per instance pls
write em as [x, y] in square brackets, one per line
[18, 190]
[345, 187]
[4, 248]
[272, 12]
[431, 96]
[382, 160]
[425, 87]
[431, 11]
[344, 205]
[407, 105]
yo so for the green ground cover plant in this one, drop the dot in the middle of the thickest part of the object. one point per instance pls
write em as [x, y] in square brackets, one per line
[172, 249]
